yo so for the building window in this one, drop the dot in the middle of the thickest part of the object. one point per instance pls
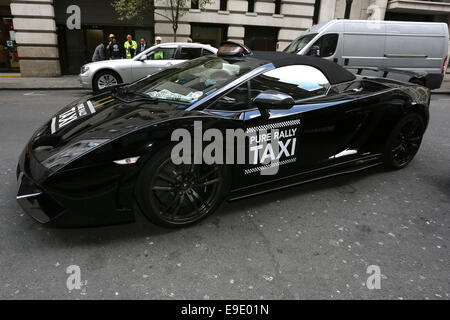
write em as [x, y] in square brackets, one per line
[223, 5]
[251, 6]
[194, 4]
[277, 6]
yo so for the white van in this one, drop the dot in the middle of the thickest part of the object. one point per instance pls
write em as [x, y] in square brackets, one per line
[421, 48]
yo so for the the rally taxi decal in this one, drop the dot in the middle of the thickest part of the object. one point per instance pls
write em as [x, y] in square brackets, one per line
[272, 145]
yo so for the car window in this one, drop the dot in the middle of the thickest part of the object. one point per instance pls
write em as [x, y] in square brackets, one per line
[298, 81]
[236, 100]
[207, 52]
[161, 54]
[327, 44]
[192, 80]
[189, 53]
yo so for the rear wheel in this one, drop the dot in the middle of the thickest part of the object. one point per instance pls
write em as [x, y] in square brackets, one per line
[179, 195]
[404, 141]
[105, 79]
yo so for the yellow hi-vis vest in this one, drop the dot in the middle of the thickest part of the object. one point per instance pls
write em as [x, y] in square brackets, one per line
[128, 48]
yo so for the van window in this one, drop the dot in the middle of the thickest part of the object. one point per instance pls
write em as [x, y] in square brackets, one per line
[327, 44]
[299, 43]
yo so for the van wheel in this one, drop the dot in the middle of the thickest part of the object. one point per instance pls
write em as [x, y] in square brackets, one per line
[404, 141]
[105, 79]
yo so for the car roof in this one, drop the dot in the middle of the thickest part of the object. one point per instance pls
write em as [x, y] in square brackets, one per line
[334, 72]
[187, 44]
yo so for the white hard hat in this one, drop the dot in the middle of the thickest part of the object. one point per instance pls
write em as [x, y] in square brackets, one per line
[158, 38]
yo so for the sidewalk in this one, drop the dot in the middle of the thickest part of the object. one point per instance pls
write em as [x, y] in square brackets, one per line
[15, 82]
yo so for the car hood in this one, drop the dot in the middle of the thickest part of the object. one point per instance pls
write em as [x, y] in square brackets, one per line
[109, 63]
[99, 118]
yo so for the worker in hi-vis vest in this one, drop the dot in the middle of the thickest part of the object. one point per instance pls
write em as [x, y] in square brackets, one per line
[130, 47]
[158, 55]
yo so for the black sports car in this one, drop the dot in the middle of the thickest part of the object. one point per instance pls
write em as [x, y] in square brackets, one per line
[278, 119]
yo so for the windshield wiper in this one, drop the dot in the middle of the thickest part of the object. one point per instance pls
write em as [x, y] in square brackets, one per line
[120, 92]
[144, 96]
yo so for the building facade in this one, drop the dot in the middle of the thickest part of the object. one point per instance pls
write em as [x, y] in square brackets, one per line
[54, 37]
[260, 24]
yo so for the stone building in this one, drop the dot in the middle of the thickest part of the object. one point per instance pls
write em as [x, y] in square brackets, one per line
[44, 38]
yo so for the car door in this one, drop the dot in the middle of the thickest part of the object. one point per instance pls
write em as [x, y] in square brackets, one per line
[311, 132]
[155, 60]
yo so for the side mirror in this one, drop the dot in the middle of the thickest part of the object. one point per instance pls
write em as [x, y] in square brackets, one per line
[314, 51]
[272, 99]
[142, 58]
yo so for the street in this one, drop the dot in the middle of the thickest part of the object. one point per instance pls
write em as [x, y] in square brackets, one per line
[314, 241]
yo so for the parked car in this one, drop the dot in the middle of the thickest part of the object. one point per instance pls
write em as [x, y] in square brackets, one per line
[419, 47]
[97, 157]
[102, 74]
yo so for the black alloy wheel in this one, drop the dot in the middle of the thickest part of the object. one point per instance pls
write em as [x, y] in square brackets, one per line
[179, 195]
[405, 141]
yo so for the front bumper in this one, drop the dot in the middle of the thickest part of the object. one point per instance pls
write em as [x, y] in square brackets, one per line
[58, 208]
[86, 80]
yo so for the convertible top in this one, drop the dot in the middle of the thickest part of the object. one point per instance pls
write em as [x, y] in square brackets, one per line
[334, 72]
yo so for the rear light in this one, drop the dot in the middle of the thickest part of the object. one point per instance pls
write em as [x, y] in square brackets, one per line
[444, 65]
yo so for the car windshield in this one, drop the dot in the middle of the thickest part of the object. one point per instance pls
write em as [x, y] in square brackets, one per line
[298, 44]
[190, 81]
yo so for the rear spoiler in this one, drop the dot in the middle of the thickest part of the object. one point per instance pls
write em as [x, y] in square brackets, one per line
[386, 71]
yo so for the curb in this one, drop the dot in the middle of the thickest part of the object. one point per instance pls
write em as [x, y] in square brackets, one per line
[441, 92]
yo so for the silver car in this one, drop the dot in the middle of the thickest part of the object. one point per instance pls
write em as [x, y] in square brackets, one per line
[102, 74]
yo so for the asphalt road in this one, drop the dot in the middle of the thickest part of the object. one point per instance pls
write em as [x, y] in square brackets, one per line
[310, 241]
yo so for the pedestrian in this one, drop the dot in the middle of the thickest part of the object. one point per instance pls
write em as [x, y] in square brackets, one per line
[115, 49]
[142, 46]
[189, 40]
[130, 47]
[158, 40]
[99, 53]
[109, 43]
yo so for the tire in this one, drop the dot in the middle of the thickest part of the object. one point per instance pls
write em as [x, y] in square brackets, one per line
[179, 196]
[104, 79]
[404, 141]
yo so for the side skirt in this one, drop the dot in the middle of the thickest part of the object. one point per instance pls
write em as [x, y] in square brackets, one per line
[298, 179]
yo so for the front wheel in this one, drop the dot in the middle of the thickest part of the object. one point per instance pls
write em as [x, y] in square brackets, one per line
[177, 196]
[105, 79]
[404, 141]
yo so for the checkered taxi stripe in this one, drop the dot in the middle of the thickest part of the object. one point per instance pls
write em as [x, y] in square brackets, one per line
[274, 126]
[270, 165]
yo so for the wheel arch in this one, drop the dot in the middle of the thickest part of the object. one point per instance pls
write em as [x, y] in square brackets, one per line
[94, 76]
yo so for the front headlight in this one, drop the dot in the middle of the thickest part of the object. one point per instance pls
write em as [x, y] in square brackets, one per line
[72, 152]
[84, 69]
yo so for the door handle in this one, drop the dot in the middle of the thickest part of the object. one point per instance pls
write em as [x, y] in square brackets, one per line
[169, 64]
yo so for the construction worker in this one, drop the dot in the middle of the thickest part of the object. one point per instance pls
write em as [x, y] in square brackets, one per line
[130, 47]
[158, 55]
[109, 43]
